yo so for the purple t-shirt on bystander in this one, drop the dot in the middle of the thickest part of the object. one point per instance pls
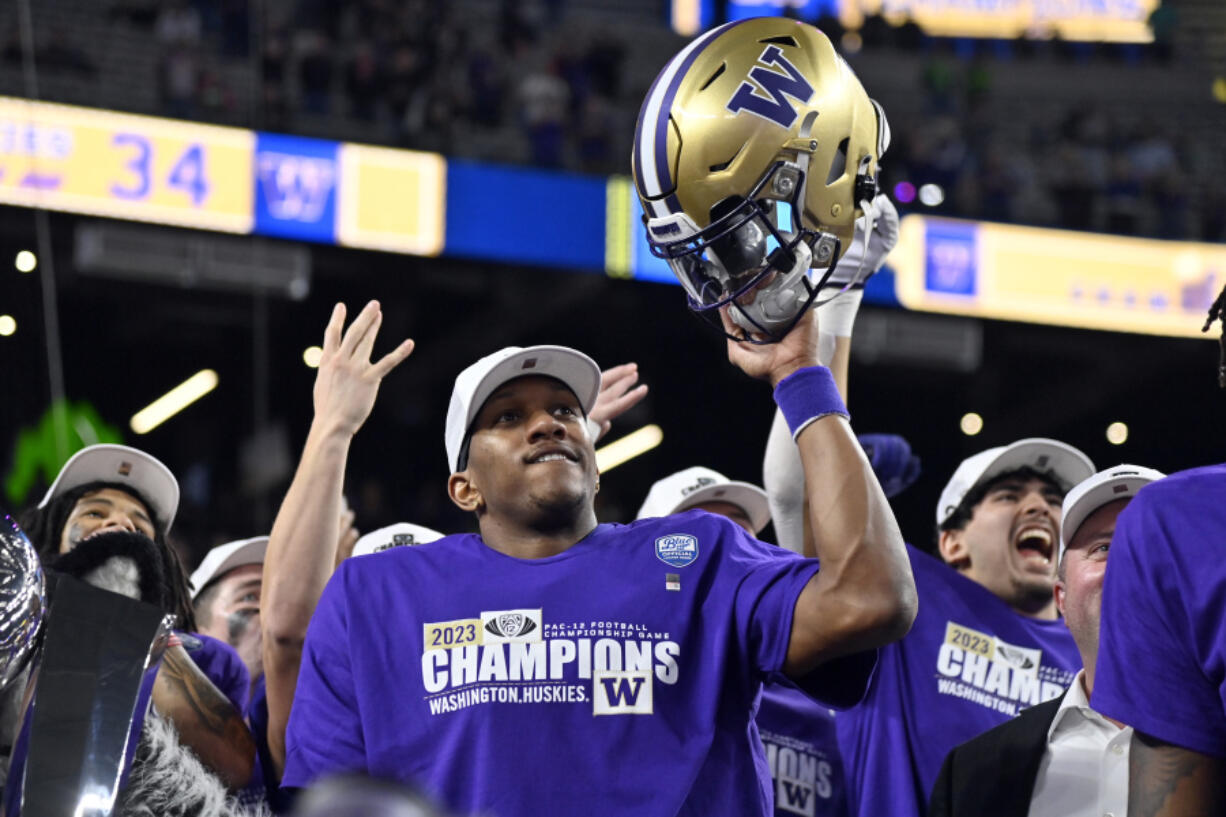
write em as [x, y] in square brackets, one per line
[969, 663]
[803, 754]
[1162, 641]
[618, 677]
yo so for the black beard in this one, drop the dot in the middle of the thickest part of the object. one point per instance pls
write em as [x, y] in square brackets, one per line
[94, 551]
[559, 514]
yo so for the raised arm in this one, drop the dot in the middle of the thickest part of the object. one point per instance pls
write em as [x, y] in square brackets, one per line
[864, 595]
[206, 721]
[782, 473]
[302, 547]
[1170, 781]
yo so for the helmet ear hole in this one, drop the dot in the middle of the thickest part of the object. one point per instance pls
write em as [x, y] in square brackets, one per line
[838, 165]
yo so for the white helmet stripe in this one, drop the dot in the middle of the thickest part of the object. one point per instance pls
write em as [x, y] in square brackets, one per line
[653, 119]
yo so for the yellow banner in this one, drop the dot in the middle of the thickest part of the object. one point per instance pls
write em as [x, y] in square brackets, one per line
[1092, 20]
[1059, 277]
[391, 200]
[124, 166]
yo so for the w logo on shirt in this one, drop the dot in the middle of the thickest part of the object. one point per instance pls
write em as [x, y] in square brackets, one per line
[795, 797]
[765, 93]
[621, 693]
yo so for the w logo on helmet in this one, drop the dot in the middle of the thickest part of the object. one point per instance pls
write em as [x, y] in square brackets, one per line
[764, 93]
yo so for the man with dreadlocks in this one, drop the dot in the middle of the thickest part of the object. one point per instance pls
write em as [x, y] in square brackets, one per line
[1162, 656]
[104, 520]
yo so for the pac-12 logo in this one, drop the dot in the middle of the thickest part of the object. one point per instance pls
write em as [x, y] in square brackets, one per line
[765, 93]
[511, 626]
[677, 549]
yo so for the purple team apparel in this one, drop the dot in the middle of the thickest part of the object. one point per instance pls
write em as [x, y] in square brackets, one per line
[618, 677]
[221, 664]
[802, 752]
[1162, 648]
[969, 663]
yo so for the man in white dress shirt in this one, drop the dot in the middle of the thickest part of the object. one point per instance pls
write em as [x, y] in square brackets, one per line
[1073, 761]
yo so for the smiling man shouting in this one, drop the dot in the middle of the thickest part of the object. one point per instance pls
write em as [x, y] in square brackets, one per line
[987, 642]
[554, 665]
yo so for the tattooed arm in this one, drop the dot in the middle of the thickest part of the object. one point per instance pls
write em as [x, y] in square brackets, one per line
[1170, 781]
[207, 722]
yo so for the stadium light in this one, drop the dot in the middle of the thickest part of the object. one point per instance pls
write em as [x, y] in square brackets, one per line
[931, 195]
[971, 424]
[174, 401]
[8, 325]
[312, 355]
[26, 261]
[628, 447]
[1117, 433]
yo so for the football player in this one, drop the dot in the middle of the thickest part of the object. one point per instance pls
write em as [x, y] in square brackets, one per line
[475, 665]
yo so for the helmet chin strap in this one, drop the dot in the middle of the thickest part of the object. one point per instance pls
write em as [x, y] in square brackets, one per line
[870, 220]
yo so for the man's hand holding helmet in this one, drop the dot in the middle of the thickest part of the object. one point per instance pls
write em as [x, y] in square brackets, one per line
[773, 361]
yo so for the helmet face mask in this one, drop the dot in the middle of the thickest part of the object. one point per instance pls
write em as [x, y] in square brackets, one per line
[754, 257]
[755, 148]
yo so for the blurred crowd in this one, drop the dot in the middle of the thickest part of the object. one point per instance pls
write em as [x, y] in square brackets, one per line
[1084, 168]
[551, 86]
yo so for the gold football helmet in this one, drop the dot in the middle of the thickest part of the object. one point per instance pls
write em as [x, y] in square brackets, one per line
[756, 150]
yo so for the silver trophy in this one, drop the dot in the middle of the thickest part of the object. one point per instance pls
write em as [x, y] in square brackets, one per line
[81, 673]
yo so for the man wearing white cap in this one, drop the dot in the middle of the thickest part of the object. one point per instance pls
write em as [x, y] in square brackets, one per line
[551, 665]
[400, 534]
[1060, 757]
[104, 519]
[710, 491]
[226, 597]
[986, 643]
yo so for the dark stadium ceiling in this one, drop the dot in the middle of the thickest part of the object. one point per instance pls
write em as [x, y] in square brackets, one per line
[125, 343]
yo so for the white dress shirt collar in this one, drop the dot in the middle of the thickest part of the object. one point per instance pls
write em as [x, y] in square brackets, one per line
[1084, 769]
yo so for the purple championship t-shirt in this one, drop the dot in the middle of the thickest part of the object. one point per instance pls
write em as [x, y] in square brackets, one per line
[802, 752]
[1162, 642]
[618, 677]
[969, 663]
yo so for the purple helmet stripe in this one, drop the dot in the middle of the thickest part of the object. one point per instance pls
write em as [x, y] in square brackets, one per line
[651, 130]
[638, 126]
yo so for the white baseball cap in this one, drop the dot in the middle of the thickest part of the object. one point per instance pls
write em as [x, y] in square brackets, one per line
[145, 474]
[476, 383]
[222, 559]
[400, 534]
[1063, 463]
[1120, 482]
[697, 485]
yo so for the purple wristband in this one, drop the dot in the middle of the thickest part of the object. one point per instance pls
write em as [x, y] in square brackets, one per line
[807, 394]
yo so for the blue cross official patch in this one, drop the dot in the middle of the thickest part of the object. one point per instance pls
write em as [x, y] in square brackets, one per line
[677, 549]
